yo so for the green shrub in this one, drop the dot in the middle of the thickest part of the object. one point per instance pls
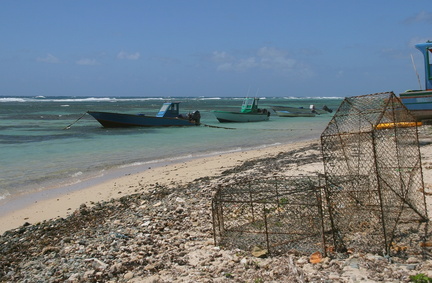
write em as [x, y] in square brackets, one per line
[420, 278]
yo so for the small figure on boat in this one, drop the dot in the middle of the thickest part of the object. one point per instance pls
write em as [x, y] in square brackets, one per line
[312, 108]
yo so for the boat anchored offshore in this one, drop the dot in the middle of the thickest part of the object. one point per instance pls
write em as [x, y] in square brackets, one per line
[288, 111]
[249, 112]
[419, 102]
[169, 115]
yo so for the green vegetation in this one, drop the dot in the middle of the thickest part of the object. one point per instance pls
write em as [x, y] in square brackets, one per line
[420, 278]
[283, 201]
[229, 275]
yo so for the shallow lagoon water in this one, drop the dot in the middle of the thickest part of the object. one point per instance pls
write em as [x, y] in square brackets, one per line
[38, 153]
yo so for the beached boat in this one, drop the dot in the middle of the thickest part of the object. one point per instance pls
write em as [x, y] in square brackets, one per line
[249, 112]
[169, 115]
[419, 102]
[287, 111]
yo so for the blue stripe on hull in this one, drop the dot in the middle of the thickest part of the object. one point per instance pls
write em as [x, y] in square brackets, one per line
[419, 103]
[116, 120]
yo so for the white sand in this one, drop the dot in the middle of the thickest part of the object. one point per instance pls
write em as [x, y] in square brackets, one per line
[185, 172]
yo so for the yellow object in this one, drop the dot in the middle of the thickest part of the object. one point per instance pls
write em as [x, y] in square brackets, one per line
[397, 125]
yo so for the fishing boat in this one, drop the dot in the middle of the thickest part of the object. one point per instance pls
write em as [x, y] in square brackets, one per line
[311, 111]
[169, 115]
[294, 113]
[419, 102]
[249, 112]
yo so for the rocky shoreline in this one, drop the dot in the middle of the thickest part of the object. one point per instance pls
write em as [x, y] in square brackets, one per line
[164, 233]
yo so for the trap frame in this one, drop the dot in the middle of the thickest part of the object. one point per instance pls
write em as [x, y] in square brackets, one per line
[371, 197]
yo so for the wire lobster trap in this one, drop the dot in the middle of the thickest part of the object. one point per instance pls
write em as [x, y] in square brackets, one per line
[374, 184]
[278, 214]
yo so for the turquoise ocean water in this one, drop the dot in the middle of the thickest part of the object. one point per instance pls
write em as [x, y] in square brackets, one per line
[37, 152]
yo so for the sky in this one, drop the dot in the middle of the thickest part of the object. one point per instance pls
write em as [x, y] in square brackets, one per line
[218, 48]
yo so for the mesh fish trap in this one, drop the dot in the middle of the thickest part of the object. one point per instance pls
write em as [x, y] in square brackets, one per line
[374, 182]
[280, 215]
[371, 197]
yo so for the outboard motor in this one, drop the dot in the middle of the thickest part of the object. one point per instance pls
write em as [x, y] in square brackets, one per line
[196, 116]
[325, 108]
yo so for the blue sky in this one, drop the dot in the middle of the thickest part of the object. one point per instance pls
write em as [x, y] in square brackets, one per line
[211, 48]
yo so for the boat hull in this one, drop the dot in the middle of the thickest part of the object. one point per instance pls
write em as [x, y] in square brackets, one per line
[419, 103]
[118, 120]
[286, 113]
[233, 117]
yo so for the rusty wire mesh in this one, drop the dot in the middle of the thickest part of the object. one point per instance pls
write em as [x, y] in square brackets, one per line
[370, 199]
[279, 214]
[374, 184]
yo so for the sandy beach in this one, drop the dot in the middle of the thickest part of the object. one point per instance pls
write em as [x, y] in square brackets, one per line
[156, 226]
[178, 173]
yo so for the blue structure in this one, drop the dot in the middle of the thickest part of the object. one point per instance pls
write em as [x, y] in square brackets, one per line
[419, 102]
[426, 50]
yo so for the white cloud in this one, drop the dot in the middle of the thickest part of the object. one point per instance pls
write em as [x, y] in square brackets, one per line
[264, 58]
[88, 62]
[49, 58]
[272, 58]
[248, 63]
[220, 56]
[128, 56]
[420, 17]
[224, 67]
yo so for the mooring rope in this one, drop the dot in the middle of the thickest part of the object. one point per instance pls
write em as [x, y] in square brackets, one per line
[286, 129]
[68, 127]
[212, 126]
